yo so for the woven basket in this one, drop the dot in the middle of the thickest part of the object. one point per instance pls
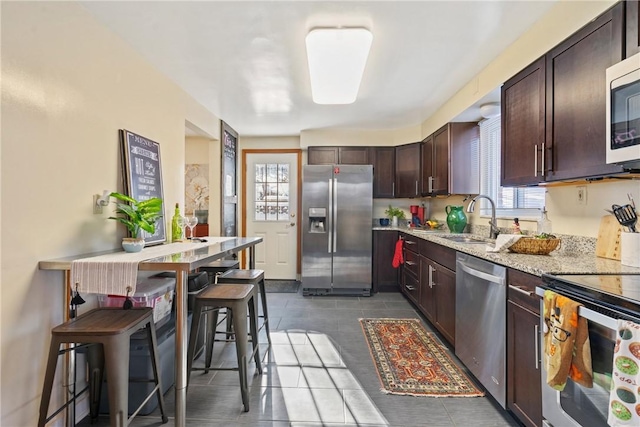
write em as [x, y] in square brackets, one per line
[533, 246]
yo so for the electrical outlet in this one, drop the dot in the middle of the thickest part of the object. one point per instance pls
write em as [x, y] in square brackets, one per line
[97, 207]
[582, 195]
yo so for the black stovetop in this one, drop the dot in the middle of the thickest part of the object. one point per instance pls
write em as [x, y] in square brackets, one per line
[619, 292]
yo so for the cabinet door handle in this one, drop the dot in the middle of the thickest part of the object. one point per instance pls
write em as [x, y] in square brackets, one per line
[522, 291]
[431, 270]
[542, 154]
[393, 189]
[410, 288]
[410, 242]
[537, 345]
[430, 180]
[535, 160]
[416, 187]
[410, 263]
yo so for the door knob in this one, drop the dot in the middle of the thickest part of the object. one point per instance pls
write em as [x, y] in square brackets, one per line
[293, 215]
[292, 224]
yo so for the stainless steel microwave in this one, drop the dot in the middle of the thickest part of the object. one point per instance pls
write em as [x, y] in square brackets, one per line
[623, 113]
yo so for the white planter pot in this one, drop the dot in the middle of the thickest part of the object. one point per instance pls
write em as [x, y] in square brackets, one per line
[130, 244]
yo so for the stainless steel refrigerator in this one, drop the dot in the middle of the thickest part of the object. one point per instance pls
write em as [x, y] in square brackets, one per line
[337, 203]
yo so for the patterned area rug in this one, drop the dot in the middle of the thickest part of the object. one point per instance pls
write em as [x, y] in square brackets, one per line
[281, 286]
[410, 361]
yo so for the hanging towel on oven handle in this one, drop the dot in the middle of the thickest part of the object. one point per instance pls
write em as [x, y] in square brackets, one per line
[397, 256]
[567, 350]
[624, 403]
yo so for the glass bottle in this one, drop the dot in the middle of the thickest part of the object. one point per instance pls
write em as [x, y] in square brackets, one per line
[176, 226]
[544, 224]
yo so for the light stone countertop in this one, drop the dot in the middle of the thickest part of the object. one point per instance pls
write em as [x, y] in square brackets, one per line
[575, 255]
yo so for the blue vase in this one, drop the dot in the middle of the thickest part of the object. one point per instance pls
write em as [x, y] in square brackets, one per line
[129, 244]
[456, 218]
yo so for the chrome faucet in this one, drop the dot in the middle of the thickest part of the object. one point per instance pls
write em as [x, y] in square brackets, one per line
[494, 230]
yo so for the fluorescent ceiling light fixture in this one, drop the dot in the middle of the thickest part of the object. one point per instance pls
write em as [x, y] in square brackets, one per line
[337, 57]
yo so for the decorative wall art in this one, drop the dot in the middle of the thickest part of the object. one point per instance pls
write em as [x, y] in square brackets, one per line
[228, 181]
[196, 181]
[142, 174]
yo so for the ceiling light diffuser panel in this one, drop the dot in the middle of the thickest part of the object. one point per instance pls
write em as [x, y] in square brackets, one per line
[337, 57]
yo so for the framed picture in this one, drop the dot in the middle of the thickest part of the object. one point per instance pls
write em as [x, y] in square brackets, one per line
[228, 180]
[142, 173]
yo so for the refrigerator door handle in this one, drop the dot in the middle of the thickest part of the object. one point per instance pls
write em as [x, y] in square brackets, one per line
[335, 215]
[330, 225]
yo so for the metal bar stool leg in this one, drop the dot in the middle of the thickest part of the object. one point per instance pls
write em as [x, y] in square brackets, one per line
[253, 324]
[117, 366]
[155, 361]
[95, 360]
[240, 328]
[50, 373]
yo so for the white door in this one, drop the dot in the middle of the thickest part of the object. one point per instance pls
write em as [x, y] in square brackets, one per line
[272, 189]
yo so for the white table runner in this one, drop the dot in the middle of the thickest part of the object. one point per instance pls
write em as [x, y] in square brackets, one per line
[116, 274]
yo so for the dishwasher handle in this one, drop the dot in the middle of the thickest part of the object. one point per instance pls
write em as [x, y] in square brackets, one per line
[481, 274]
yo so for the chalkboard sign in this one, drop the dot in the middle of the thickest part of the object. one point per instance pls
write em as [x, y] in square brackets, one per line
[142, 174]
[228, 180]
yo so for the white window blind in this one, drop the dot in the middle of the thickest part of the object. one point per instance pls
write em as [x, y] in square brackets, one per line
[510, 201]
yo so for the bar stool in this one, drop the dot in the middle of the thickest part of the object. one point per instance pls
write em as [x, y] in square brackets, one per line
[236, 300]
[108, 330]
[249, 277]
[218, 267]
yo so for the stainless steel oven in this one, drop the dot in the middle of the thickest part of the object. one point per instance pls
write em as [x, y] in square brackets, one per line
[604, 299]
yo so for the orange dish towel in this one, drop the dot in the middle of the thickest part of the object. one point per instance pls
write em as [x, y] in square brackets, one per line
[566, 343]
[397, 256]
[624, 409]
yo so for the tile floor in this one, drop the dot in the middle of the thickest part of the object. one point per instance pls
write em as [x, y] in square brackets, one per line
[319, 373]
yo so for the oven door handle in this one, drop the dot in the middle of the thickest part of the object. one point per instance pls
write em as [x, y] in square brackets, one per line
[594, 316]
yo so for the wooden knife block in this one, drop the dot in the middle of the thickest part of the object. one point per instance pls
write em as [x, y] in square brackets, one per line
[608, 243]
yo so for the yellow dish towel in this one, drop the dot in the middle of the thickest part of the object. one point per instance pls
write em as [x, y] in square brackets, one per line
[566, 343]
[624, 403]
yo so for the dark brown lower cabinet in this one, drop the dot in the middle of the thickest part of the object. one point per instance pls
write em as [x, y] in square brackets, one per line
[438, 297]
[385, 277]
[524, 389]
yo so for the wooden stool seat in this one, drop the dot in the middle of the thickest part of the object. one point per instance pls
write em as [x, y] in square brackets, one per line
[237, 300]
[222, 293]
[244, 275]
[111, 328]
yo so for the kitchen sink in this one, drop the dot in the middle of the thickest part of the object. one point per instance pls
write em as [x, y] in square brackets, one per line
[466, 239]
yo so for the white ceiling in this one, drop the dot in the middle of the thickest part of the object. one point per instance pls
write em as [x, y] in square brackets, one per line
[245, 61]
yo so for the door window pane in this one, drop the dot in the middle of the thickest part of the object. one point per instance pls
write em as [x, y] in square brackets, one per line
[271, 192]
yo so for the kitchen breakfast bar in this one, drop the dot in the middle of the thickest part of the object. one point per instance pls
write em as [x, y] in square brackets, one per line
[180, 258]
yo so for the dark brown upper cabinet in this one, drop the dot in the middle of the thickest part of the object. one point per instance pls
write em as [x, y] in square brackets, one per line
[523, 126]
[576, 97]
[408, 170]
[450, 160]
[353, 156]
[322, 155]
[633, 27]
[338, 156]
[553, 122]
[383, 160]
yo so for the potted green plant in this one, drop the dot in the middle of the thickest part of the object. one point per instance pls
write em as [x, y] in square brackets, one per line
[395, 214]
[136, 215]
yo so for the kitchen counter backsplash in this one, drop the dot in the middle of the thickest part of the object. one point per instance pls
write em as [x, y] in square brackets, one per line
[576, 254]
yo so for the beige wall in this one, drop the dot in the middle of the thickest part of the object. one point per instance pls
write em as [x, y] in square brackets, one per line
[329, 137]
[68, 85]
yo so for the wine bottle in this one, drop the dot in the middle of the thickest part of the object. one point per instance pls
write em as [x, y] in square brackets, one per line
[176, 226]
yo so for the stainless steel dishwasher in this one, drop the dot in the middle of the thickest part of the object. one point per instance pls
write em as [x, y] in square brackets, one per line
[481, 314]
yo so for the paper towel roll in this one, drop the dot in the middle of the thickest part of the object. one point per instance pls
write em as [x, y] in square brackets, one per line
[630, 249]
